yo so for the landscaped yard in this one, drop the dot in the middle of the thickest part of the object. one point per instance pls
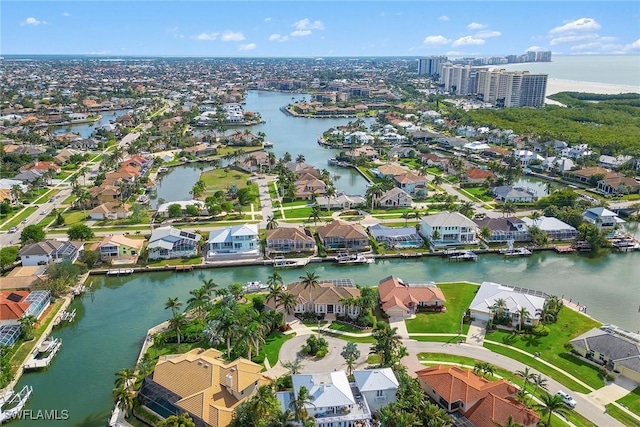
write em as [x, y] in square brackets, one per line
[336, 326]
[174, 261]
[73, 217]
[481, 193]
[458, 297]
[570, 324]
[17, 219]
[220, 179]
[631, 401]
[622, 416]
[271, 348]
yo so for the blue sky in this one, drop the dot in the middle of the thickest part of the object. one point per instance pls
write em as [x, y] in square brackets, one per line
[319, 28]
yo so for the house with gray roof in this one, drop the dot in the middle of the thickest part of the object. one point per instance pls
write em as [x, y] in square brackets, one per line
[448, 229]
[615, 348]
[236, 241]
[44, 253]
[508, 193]
[334, 401]
[482, 306]
[395, 197]
[603, 218]
[552, 227]
[378, 386]
[396, 237]
[504, 229]
[170, 242]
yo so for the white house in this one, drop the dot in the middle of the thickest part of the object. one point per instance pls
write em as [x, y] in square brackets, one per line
[341, 201]
[239, 240]
[559, 164]
[611, 162]
[333, 402]
[395, 197]
[508, 193]
[44, 253]
[526, 157]
[378, 386]
[448, 229]
[603, 218]
[171, 242]
[553, 227]
[515, 299]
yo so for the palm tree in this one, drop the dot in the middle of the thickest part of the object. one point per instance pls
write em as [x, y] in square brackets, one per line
[209, 286]
[535, 216]
[275, 288]
[527, 376]
[550, 404]
[548, 188]
[253, 335]
[199, 302]
[176, 323]
[288, 302]
[539, 382]
[524, 313]
[173, 304]
[300, 158]
[26, 326]
[437, 180]
[466, 209]
[315, 214]
[271, 222]
[508, 208]
[310, 281]
[16, 193]
[388, 344]
[228, 326]
[485, 233]
[294, 366]
[124, 397]
[124, 377]
[300, 403]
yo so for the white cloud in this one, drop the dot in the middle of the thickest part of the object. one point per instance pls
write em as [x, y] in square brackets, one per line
[633, 46]
[488, 34]
[468, 40]
[278, 38]
[65, 14]
[207, 36]
[436, 40]
[577, 25]
[535, 49]
[267, 19]
[32, 21]
[230, 36]
[454, 53]
[306, 24]
[443, 18]
[572, 38]
[248, 46]
[476, 26]
[300, 33]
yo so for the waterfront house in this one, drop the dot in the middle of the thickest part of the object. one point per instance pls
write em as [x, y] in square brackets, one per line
[558, 164]
[618, 185]
[119, 249]
[334, 401]
[394, 197]
[340, 201]
[286, 240]
[366, 152]
[402, 299]
[411, 183]
[504, 229]
[17, 304]
[482, 307]
[525, 157]
[201, 150]
[44, 253]
[448, 229]
[328, 298]
[163, 209]
[592, 175]
[110, 210]
[202, 384]
[552, 227]
[476, 400]
[396, 237]
[611, 162]
[613, 347]
[236, 241]
[388, 171]
[170, 242]
[24, 277]
[377, 386]
[508, 193]
[307, 185]
[603, 218]
[341, 235]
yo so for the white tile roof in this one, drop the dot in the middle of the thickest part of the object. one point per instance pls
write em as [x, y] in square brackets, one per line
[489, 292]
[326, 390]
[375, 379]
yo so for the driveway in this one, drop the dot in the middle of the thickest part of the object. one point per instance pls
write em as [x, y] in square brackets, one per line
[477, 331]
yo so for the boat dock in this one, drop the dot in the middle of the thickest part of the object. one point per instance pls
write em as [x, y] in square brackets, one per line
[65, 316]
[517, 252]
[290, 263]
[120, 272]
[460, 255]
[564, 249]
[42, 356]
[13, 403]
[184, 268]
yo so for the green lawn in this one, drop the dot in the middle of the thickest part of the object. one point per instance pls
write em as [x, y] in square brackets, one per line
[481, 193]
[298, 213]
[17, 219]
[272, 191]
[570, 324]
[364, 340]
[453, 339]
[69, 200]
[631, 401]
[46, 196]
[295, 203]
[458, 297]
[537, 365]
[219, 179]
[622, 416]
[73, 217]
[175, 261]
[271, 349]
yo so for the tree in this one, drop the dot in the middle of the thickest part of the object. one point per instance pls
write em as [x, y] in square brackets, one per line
[485, 232]
[275, 288]
[80, 232]
[176, 323]
[466, 209]
[300, 403]
[388, 345]
[8, 255]
[124, 377]
[199, 302]
[182, 420]
[539, 382]
[524, 314]
[527, 376]
[173, 304]
[315, 214]
[272, 223]
[550, 404]
[209, 286]
[538, 237]
[508, 208]
[294, 366]
[27, 324]
[32, 234]
[288, 302]
[124, 397]
[350, 353]
[310, 281]
[174, 210]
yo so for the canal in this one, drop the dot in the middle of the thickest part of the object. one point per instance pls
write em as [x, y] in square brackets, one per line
[114, 317]
[86, 129]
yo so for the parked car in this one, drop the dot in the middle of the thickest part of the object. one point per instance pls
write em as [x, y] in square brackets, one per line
[13, 229]
[567, 399]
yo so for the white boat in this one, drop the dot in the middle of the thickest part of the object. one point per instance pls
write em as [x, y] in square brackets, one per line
[280, 262]
[517, 252]
[12, 407]
[346, 258]
[163, 169]
[267, 144]
[255, 286]
[121, 271]
[143, 198]
[463, 256]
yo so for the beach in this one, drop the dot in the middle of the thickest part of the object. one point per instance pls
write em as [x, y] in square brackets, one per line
[562, 85]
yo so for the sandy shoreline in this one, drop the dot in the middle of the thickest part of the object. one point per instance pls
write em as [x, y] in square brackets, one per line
[561, 85]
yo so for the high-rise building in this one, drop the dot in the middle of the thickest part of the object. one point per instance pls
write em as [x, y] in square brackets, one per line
[431, 66]
[533, 90]
[457, 79]
[511, 88]
[543, 56]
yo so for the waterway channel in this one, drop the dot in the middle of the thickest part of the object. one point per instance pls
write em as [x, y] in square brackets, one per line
[86, 129]
[113, 318]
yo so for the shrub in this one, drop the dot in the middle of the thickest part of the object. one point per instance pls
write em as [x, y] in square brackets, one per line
[610, 377]
[316, 346]
[541, 330]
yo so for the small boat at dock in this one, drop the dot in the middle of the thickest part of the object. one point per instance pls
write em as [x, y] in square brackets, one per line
[12, 407]
[255, 286]
[517, 252]
[163, 169]
[281, 262]
[347, 258]
[42, 356]
[120, 272]
[460, 255]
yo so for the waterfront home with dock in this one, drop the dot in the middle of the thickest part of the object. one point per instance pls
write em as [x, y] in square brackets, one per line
[236, 241]
[44, 253]
[504, 229]
[17, 304]
[396, 237]
[448, 229]
[395, 197]
[170, 242]
[327, 299]
[515, 299]
[552, 227]
[341, 235]
[603, 218]
[119, 249]
[286, 240]
[402, 299]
